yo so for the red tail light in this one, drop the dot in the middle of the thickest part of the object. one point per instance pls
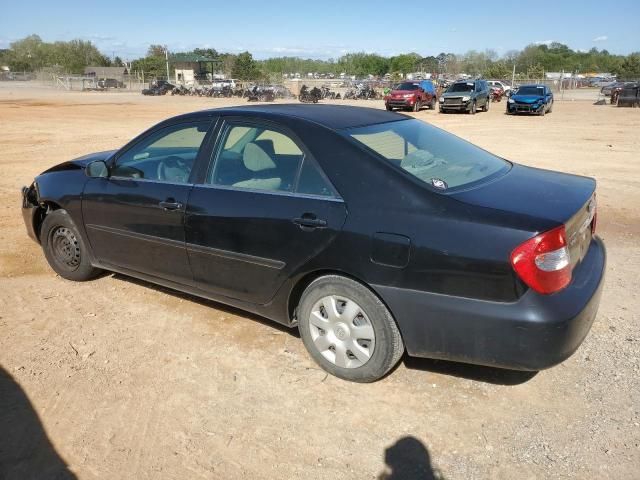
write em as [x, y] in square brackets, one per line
[543, 261]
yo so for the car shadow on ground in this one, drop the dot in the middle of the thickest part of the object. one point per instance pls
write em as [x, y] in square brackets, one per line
[207, 303]
[25, 450]
[497, 376]
[408, 459]
[479, 373]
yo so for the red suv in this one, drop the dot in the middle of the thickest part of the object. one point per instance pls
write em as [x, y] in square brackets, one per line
[411, 96]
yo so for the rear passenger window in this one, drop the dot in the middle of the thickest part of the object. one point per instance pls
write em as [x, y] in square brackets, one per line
[256, 158]
[312, 181]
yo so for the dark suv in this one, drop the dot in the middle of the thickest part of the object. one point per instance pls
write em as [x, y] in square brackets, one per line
[466, 96]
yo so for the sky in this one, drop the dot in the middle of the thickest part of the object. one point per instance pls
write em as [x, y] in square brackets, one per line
[323, 28]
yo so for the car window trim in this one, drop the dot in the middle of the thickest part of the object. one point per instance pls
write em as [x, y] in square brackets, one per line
[221, 128]
[281, 193]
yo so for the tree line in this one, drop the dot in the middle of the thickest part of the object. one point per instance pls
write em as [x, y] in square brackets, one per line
[32, 53]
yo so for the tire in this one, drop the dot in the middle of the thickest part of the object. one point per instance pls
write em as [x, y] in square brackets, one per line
[432, 105]
[417, 106]
[379, 348]
[472, 110]
[65, 249]
[550, 107]
[543, 110]
[485, 108]
[390, 109]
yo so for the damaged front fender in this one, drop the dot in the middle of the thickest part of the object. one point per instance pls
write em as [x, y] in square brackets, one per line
[32, 212]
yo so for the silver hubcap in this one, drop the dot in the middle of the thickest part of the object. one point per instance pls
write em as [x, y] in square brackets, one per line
[342, 332]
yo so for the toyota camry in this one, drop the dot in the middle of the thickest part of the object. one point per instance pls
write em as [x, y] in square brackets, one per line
[371, 232]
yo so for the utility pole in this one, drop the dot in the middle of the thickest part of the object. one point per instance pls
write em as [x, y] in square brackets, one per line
[166, 56]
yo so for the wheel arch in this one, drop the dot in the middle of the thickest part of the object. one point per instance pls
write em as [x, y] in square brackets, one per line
[295, 294]
[42, 210]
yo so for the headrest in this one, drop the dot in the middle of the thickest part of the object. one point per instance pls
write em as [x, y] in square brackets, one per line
[256, 159]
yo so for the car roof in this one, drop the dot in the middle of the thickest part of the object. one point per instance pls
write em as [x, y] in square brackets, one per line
[335, 117]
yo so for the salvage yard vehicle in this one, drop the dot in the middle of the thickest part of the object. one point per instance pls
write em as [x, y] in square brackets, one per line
[537, 99]
[629, 96]
[504, 86]
[411, 96]
[371, 232]
[158, 88]
[466, 96]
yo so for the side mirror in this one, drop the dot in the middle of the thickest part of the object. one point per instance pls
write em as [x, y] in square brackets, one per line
[97, 169]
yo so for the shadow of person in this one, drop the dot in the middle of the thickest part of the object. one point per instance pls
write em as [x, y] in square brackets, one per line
[408, 459]
[25, 450]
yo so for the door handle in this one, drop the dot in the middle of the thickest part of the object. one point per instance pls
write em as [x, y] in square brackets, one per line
[170, 205]
[309, 222]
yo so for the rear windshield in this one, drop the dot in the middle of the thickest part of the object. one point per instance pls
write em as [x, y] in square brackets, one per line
[408, 86]
[434, 156]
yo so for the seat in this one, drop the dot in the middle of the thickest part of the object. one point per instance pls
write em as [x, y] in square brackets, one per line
[262, 167]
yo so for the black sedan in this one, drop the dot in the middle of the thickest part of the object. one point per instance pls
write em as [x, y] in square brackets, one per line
[371, 232]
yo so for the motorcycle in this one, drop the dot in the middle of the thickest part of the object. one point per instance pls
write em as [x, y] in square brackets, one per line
[310, 96]
[496, 94]
[260, 94]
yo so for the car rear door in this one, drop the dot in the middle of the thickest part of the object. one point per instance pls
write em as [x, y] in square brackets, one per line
[134, 218]
[263, 211]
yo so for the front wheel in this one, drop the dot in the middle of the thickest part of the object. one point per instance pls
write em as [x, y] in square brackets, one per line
[389, 108]
[417, 106]
[347, 330]
[65, 249]
[486, 106]
[472, 109]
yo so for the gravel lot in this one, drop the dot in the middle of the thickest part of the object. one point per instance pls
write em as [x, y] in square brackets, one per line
[128, 380]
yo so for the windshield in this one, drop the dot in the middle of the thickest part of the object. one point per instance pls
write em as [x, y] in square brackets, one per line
[532, 90]
[461, 87]
[407, 86]
[434, 156]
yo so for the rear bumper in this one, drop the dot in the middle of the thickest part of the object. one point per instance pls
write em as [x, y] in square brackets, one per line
[533, 333]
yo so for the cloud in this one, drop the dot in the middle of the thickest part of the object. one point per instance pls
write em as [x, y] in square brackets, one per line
[543, 42]
[601, 38]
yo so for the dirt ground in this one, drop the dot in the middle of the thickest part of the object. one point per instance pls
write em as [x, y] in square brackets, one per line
[129, 380]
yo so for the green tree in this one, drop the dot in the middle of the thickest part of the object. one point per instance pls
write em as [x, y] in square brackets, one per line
[497, 70]
[156, 50]
[629, 68]
[245, 67]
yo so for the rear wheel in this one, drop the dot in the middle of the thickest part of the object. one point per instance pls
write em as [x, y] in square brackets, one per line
[65, 249]
[347, 330]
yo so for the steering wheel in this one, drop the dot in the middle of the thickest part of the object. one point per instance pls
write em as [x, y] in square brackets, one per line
[172, 162]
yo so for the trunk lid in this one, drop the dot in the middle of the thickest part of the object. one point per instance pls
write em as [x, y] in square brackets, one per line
[548, 198]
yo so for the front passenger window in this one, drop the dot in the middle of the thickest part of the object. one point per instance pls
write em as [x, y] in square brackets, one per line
[167, 155]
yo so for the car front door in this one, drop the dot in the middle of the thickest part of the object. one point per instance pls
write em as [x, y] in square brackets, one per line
[134, 218]
[264, 210]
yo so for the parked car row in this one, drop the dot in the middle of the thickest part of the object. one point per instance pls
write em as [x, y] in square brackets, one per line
[470, 96]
